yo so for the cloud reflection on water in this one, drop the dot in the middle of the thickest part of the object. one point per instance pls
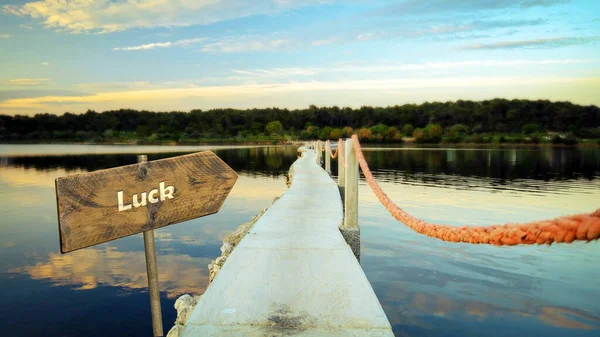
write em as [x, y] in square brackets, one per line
[91, 267]
[409, 308]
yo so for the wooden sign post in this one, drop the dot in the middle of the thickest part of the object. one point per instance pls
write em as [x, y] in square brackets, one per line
[104, 205]
[152, 274]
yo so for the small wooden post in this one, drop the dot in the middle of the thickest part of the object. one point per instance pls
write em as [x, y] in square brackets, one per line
[327, 157]
[351, 187]
[152, 272]
[350, 230]
[318, 149]
[341, 163]
[320, 153]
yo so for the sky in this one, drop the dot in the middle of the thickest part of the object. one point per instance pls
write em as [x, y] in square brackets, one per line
[166, 55]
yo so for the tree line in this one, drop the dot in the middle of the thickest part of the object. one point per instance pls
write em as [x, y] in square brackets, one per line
[426, 122]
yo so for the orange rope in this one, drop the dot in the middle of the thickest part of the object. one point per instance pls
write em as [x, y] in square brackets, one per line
[583, 227]
[333, 155]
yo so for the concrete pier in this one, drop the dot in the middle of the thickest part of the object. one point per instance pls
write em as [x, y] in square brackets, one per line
[293, 274]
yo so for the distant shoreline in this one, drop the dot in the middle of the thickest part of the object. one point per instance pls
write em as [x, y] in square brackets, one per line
[589, 144]
[166, 143]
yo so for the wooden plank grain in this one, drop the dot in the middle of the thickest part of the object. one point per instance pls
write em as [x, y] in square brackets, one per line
[167, 191]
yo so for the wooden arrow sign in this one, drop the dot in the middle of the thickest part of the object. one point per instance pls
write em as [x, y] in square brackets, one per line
[109, 204]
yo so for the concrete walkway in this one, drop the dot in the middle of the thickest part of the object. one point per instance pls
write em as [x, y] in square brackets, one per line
[293, 274]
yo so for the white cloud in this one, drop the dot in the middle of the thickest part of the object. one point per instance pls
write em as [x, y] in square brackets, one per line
[119, 86]
[182, 43]
[535, 43]
[5, 36]
[276, 72]
[322, 42]
[348, 68]
[26, 27]
[244, 44]
[436, 29]
[243, 72]
[301, 94]
[28, 81]
[45, 63]
[105, 16]
[368, 36]
[412, 7]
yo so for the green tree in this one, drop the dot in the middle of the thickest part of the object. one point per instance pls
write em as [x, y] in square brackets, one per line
[313, 131]
[80, 135]
[419, 135]
[458, 130]
[335, 134]
[433, 133]
[255, 128]
[142, 131]
[456, 133]
[274, 128]
[324, 134]
[364, 134]
[378, 129]
[530, 128]
[477, 117]
[108, 134]
[196, 134]
[219, 129]
[392, 135]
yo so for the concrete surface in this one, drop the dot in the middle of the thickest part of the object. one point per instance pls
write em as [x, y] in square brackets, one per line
[292, 274]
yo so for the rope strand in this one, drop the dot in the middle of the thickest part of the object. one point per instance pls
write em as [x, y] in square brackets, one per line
[581, 227]
[333, 155]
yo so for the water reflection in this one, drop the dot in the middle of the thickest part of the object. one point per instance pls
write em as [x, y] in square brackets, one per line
[89, 268]
[268, 160]
[427, 287]
[431, 288]
[504, 165]
[23, 150]
[418, 309]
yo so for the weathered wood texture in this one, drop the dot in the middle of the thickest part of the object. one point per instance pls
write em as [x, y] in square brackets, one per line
[351, 177]
[88, 206]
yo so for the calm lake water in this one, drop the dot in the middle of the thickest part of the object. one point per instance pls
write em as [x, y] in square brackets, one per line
[427, 287]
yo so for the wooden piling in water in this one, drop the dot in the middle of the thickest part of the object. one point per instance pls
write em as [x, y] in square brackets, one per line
[328, 157]
[351, 187]
[341, 168]
[319, 152]
[349, 229]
